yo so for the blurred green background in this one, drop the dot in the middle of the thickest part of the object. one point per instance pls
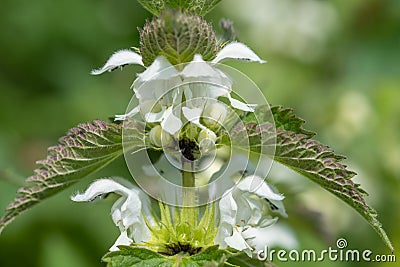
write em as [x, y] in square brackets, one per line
[337, 63]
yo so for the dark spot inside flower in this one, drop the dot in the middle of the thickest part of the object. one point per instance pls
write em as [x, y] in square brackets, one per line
[118, 67]
[104, 196]
[243, 172]
[189, 149]
[272, 205]
[176, 248]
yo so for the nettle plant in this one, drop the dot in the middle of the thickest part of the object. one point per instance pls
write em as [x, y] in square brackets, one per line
[199, 139]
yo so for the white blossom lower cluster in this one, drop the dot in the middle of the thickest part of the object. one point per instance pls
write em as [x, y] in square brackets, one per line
[243, 224]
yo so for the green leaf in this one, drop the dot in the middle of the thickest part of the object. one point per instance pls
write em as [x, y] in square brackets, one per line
[141, 257]
[210, 257]
[296, 150]
[284, 118]
[199, 7]
[136, 257]
[84, 150]
[153, 6]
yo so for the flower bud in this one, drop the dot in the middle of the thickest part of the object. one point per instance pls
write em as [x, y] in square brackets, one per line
[178, 36]
[192, 131]
[160, 138]
[206, 140]
[155, 136]
[214, 114]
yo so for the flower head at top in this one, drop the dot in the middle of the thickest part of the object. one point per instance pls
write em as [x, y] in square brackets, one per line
[170, 96]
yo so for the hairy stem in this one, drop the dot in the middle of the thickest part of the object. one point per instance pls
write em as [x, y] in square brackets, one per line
[189, 211]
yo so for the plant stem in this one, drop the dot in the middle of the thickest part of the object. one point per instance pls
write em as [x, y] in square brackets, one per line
[189, 211]
[188, 178]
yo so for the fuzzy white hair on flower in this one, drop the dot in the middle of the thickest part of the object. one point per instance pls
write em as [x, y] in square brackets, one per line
[127, 212]
[242, 214]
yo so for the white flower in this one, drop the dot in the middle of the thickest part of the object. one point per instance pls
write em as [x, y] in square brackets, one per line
[242, 215]
[161, 88]
[206, 139]
[238, 51]
[127, 212]
[277, 234]
[119, 59]
[214, 113]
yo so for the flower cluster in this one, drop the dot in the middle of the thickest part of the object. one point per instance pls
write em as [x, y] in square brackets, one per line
[162, 87]
[245, 214]
[170, 97]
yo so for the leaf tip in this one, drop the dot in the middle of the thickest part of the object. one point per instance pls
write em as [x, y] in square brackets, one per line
[386, 239]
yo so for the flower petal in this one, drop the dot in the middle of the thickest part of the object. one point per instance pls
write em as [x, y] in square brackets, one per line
[132, 218]
[224, 231]
[227, 221]
[277, 205]
[199, 68]
[237, 51]
[237, 242]
[215, 112]
[158, 83]
[256, 185]
[171, 123]
[240, 105]
[99, 188]
[250, 210]
[193, 115]
[122, 240]
[131, 209]
[116, 214]
[127, 211]
[272, 236]
[244, 211]
[228, 209]
[199, 71]
[119, 59]
[154, 117]
[160, 69]
[131, 113]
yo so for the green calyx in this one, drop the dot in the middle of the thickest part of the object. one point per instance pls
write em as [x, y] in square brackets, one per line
[178, 36]
[200, 7]
[180, 234]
